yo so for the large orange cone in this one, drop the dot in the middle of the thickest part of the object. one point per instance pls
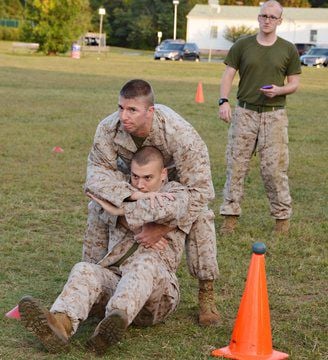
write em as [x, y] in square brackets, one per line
[251, 336]
[13, 313]
[199, 98]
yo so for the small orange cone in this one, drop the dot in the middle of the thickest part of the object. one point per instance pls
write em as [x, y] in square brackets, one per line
[13, 313]
[251, 336]
[199, 98]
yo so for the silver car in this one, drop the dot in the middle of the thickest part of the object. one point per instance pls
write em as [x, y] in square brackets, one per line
[317, 56]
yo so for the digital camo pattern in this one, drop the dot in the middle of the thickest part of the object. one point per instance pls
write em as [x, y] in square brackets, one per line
[120, 239]
[186, 156]
[142, 288]
[267, 134]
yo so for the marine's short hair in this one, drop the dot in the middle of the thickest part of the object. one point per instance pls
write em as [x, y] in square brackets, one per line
[271, 3]
[138, 88]
[146, 154]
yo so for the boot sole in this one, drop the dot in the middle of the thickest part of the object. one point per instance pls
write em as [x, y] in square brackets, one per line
[34, 319]
[109, 332]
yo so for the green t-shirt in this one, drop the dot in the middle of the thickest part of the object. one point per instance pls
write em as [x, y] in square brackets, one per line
[138, 141]
[260, 65]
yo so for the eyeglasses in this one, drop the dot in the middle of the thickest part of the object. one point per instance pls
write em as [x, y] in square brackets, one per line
[269, 17]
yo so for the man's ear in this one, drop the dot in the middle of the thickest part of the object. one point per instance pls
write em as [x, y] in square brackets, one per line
[164, 174]
[151, 109]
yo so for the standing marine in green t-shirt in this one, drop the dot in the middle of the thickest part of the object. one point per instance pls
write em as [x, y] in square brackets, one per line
[259, 122]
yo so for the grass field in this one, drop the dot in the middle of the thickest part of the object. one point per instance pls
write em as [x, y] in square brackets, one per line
[58, 101]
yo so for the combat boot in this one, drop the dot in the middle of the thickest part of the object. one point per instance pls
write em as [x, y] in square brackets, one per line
[108, 332]
[208, 313]
[229, 224]
[282, 226]
[53, 330]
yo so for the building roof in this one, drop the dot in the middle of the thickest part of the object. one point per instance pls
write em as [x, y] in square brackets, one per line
[250, 13]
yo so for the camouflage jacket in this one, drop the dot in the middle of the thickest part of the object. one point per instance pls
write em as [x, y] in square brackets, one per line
[185, 155]
[137, 213]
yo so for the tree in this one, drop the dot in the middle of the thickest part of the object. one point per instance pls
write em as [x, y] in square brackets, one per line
[11, 9]
[233, 33]
[135, 23]
[55, 24]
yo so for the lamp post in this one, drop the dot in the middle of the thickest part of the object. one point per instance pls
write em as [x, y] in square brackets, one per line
[101, 12]
[175, 3]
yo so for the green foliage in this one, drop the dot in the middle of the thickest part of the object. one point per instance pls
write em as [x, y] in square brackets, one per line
[135, 23]
[55, 24]
[233, 33]
[11, 9]
[295, 3]
[285, 3]
[319, 3]
[7, 33]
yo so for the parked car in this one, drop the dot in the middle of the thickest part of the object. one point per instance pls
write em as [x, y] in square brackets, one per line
[177, 51]
[166, 41]
[317, 56]
[303, 48]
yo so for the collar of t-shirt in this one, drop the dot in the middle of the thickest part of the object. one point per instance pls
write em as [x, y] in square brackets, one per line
[138, 141]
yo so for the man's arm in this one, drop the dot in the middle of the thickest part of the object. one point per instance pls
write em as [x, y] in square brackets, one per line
[104, 179]
[151, 215]
[290, 87]
[154, 220]
[226, 84]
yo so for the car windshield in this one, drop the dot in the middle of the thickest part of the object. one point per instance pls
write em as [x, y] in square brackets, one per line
[173, 46]
[317, 51]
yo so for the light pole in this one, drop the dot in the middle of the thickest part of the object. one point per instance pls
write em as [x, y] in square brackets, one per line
[101, 12]
[175, 3]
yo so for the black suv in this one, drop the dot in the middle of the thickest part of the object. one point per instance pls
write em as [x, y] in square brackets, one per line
[303, 48]
[174, 50]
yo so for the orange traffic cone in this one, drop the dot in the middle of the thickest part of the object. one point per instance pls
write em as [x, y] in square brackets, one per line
[13, 313]
[251, 337]
[199, 98]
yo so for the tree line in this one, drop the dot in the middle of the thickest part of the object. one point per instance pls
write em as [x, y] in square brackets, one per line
[55, 24]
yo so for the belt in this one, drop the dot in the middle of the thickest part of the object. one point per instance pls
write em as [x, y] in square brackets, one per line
[259, 108]
[132, 250]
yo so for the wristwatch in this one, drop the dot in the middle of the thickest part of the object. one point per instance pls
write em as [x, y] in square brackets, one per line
[222, 101]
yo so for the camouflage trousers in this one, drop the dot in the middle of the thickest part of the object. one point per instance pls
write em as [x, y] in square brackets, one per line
[200, 244]
[142, 288]
[266, 133]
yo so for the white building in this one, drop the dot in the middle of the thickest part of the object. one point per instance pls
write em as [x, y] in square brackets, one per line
[206, 24]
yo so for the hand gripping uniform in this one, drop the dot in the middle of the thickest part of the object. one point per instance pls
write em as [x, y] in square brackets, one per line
[142, 283]
[186, 157]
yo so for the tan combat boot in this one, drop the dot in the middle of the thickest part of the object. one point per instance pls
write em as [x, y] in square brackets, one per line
[53, 330]
[229, 224]
[282, 226]
[208, 313]
[108, 332]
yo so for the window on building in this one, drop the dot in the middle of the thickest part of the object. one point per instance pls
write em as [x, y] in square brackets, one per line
[214, 32]
[313, 35]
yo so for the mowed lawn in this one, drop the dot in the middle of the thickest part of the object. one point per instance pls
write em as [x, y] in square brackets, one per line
[58, 101]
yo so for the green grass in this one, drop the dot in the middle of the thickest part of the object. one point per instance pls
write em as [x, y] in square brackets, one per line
[58, 101]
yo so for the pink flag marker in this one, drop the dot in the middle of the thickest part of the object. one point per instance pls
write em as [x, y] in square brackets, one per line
[57, 149]
[13, 313]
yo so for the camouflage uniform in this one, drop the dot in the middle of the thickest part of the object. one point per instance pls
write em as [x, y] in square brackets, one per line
[268, 133]
[185, 155]
[144, 285]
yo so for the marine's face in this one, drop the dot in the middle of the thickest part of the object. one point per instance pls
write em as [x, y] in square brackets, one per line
[269, 18]
[149, 177]
[135, 115]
